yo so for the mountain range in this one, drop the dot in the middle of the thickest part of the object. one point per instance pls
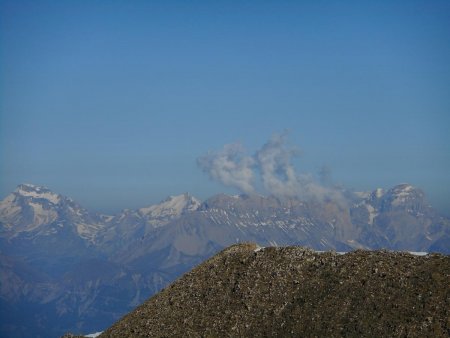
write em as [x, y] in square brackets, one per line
[65, 268]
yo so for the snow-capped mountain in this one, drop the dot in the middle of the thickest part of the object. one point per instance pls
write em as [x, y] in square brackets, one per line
[129, 226]
[78, 267]
[399, 197]
[29, 206]
[399, 218]
[169, 209]
[36, 210]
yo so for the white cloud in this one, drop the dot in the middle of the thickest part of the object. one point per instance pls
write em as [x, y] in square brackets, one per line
[230, 166]
[272, 165]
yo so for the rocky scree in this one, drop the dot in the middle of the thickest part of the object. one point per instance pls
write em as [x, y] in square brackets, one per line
[246, 291]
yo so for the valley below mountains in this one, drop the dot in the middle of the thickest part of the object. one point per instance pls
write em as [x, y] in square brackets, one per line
[64, 268]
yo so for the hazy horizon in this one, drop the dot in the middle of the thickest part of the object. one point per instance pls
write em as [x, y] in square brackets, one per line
[114, 103]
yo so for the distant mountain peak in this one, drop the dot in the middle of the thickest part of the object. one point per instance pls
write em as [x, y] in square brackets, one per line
[38, 192]
[36, 210]
[171, 207]
[403, 188]
[404, 194]
[27, 187]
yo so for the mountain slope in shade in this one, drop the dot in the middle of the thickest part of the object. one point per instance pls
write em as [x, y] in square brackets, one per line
[259, 292]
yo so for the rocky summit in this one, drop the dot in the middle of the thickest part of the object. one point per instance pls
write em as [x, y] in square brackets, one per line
[248, 291]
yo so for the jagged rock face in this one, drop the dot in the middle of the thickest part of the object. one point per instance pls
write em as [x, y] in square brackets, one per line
[252, 292]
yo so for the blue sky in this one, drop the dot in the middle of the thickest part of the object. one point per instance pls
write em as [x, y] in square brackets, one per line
[112, 102]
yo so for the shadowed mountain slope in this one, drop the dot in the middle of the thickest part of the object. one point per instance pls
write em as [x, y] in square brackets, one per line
[292, 291]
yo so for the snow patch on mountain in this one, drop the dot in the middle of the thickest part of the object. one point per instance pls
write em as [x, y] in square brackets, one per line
[41, 215]
[29, 190]
[418, 253]
[401, 194]
[88, 231]
[8, 209]
[379, 192]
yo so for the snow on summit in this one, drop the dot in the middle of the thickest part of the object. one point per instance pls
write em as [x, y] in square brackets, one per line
[30, 190]
[173, 206]
[33, 208]
[402, 193]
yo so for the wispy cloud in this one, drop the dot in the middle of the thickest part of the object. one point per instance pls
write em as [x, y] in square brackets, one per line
[272, 166]
[230, 166]
[277, 172]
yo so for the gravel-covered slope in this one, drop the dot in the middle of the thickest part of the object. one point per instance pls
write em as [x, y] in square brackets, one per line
[293, 291]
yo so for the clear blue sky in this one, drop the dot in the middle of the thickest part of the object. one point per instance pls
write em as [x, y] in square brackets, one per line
[111, 102]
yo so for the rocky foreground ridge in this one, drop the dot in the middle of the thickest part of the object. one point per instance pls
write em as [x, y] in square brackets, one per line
[293, 291]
